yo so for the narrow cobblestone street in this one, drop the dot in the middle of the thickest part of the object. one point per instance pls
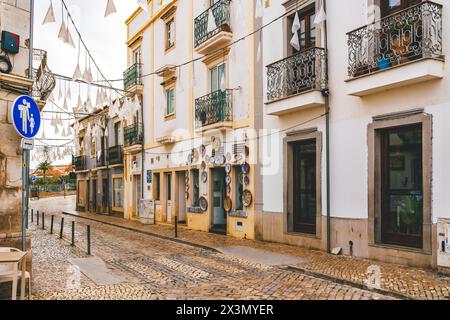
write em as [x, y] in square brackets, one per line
[154, 268]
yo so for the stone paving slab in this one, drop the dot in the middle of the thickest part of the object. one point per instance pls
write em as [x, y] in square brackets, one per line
[404, 281]
[95, 269]
[268, 258]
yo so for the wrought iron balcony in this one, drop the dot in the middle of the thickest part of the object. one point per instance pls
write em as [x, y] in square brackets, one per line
[301, 72]
[133, 135]
[115, 155]
[221, 12]
[132, 76]
[79, 163]
[214, 108]
[411, 34]
[44, 81]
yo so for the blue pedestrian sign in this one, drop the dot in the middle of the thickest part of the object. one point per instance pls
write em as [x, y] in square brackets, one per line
[33, 178]
[26, 117]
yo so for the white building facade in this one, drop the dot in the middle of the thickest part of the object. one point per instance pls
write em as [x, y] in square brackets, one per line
[388, 108]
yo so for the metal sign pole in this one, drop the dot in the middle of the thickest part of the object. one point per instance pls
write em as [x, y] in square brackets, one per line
[25, 189]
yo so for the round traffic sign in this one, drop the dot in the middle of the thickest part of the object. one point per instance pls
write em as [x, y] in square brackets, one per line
[26, 116]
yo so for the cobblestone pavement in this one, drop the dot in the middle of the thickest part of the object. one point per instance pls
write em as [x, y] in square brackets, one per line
[405, 281]
[156, 268]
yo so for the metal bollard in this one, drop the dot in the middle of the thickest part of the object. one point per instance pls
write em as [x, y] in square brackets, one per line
[89, 240]
[176, 226]
[51, 223]
[37, 218]
[61, 228]
[43, 221]
[73, 233]
[32, 215]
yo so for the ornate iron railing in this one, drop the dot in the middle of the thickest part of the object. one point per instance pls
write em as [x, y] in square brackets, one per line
[44, 81]
[132, 76]
[115, 155]
[221, 12]
[411, 34]
[214, 108]
[133, 135]
[298, 73]
[79, 163]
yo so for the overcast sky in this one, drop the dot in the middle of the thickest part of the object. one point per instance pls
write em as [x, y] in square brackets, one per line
[105, 38]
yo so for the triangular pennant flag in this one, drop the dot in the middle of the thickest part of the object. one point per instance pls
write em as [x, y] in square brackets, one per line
[69, 93]
[62, 35]
[43, 135]
[259, 10]
[296, 24]
[60, 93]
[98, 97]
[110, 8]
[295, 42]
[212, 26]
[77, 74]
[85, 76]
[65, 104]
[50, 16]
[56, 131]
[322, 15]
[69, 38]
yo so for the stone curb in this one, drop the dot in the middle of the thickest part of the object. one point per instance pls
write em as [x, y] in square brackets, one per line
[188, 243]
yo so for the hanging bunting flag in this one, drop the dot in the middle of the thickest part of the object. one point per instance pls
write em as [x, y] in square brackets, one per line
[65, 105]
[296, 24]
[321, 16]
[77, 74]
[62, 35]
[69, 93]
[60, 92]
[259, 10]
[69, 39]
[110, 8]
[212, 26]
[50, 16]
[98, 97]
[295, 42]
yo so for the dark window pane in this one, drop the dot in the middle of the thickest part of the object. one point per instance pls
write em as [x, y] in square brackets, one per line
[304, 171]
[402, 183]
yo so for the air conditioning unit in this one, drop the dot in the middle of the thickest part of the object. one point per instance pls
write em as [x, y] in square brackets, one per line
[443, 256]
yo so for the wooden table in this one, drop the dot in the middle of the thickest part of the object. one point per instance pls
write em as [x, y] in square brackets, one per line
[16, 258]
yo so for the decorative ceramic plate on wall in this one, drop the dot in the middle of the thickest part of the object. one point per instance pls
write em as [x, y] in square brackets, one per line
[203, 150]
[245, 168]
[228, 180]
[228, 189]
[204, 176]
[247, 198]
[227, 204]
[203, 204]
[228, 168]
[203, 166]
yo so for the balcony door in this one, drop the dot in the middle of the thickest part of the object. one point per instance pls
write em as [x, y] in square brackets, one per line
[218, 78]
[307, 31]
[301, 76]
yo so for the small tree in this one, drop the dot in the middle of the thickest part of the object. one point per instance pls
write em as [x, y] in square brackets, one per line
[44, 167]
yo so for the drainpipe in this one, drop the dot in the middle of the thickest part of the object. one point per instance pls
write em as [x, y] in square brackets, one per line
[108, 174]
[30, 44]
[326, 94]
[142, 153]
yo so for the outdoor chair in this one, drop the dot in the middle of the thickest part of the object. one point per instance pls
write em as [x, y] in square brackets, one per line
[7, 271]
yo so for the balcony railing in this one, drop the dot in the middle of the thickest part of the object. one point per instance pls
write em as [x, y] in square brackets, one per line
[221, 12]
[44, 81]
[79, 163]
[115, 155]
[132, 76]
[298, 73]
[214, 108]
[411, 34]
[133, 135]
